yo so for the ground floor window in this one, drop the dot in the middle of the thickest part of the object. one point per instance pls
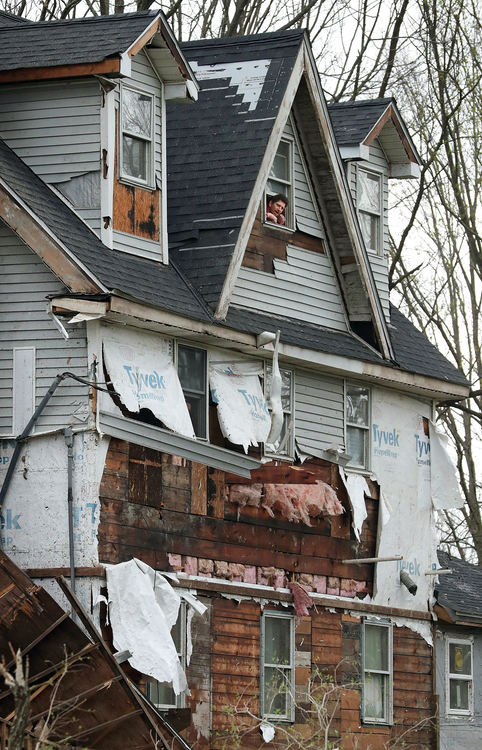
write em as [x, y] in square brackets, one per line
[377, 672]
[277, 666]
[162, 693]
[459, 676]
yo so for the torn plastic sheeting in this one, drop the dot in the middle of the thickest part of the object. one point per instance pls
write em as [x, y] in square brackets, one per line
[275, 402]
[268, 731]
[356, 486]
[142, 372]
[143, 608]
[242, 410]
[384, 508]
[80, 317]
[443, 479]
[300, 502]
[190, 615]
[196, 605]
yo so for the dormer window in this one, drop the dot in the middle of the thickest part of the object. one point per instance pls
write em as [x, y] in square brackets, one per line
[136, 142]
[369, 193]
[280, 188]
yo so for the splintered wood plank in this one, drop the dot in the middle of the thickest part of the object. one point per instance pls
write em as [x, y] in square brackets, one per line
[199, 500]
[215, 493]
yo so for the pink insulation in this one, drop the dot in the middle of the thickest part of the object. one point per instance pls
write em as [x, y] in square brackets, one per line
[246, 494]
[300, 502]
[301, 599]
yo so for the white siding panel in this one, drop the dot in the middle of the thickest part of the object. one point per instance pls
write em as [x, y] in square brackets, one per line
[23, 387]
[140, 246]
[54, 127]
[307, 217]
[319, 411]
[303, 287]
[143, 76]
[24, 284]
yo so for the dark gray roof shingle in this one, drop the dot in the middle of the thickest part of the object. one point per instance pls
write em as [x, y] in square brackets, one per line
[353, 121]
[461, 590]
[83, 40]
[145, 280]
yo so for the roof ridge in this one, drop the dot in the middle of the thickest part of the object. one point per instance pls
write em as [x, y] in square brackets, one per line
[244, 39]
[87, 19]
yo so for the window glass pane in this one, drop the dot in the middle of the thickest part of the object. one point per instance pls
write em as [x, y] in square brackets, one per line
[196, 406]
[368, 192]
[276, 692]
[376, 647]
[357, 401]
[160, 693]
[459, 694]
[277, 640]
[134, 157]
[191, 367]
[375, 696]
[136, 113]
[370, 227]
[460, 658]
[355, 445]
[281, 165]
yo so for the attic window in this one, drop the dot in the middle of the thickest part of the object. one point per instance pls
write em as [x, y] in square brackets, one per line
[280, 183]
[369, 193]
[137, 137]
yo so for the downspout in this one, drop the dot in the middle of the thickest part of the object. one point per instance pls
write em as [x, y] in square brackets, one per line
[69, 440]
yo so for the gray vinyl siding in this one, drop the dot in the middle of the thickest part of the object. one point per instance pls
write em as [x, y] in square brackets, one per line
[319, 411]
[306, 214]
[303, 287]
[54, 127]
[379, 263]
[24, 284]
[144, 79]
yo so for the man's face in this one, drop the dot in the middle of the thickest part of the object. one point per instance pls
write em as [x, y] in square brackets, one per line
[277, 208]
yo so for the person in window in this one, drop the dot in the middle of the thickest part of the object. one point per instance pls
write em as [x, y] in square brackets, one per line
[275, 209]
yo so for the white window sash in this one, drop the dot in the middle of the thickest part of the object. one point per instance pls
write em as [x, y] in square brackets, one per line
[288, 669]
[387, 676]
[452, 676]
[125, 176]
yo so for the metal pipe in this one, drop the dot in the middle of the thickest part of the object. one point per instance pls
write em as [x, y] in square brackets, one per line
[363, 560]
[408, 582]
[69, 440]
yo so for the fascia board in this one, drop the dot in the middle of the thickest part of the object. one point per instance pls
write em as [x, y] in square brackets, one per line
[358, 152]
[257, 193]
[346, 203]
[392, 113]
[124, 311]
[56, 255]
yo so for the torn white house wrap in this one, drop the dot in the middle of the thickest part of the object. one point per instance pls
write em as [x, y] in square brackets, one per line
[356, 487]
[142, 372]
[275, 401]
[444, 485]
[243, 414]
[143, 608]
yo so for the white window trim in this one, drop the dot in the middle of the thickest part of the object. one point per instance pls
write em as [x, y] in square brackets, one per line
[180, 700]
[290, 443]
[290, 668]
[388, 719]
[449, 676]
[191, 345]
[292, 227]
[369, 170]
[149, 183]
[352, 466]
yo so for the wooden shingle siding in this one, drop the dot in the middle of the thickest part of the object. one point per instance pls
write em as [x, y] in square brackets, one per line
[54, 127]
[24, 284]
[303, 287]
[319, 411]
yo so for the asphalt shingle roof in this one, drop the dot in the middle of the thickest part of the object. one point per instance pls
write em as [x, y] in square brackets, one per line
[460, 591]
[353, 121]
[214, 154]
[145, 280]
[83, 40]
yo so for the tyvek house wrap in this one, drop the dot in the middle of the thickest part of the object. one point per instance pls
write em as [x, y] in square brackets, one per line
[143, 607]
[142, 372]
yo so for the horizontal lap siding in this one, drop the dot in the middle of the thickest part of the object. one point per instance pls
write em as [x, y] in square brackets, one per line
[307, 218]
[54, 127]
[319, 414]
[303, 288]
[24, 284]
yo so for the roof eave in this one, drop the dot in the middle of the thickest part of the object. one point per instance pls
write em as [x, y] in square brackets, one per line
[391, 114]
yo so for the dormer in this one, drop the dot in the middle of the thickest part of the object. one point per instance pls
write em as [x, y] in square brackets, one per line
[86, 111]
[375, 146]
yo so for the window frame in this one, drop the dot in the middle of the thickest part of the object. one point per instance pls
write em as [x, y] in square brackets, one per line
[148, 183]
[190, 345]
[347, 425]
[287, 454]
[379, 176]
[289, 717]
[179, 700]
[288, 189]
[454, 640]
[387, 719]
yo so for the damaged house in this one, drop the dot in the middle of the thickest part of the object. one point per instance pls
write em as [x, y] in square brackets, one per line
[212, 417]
